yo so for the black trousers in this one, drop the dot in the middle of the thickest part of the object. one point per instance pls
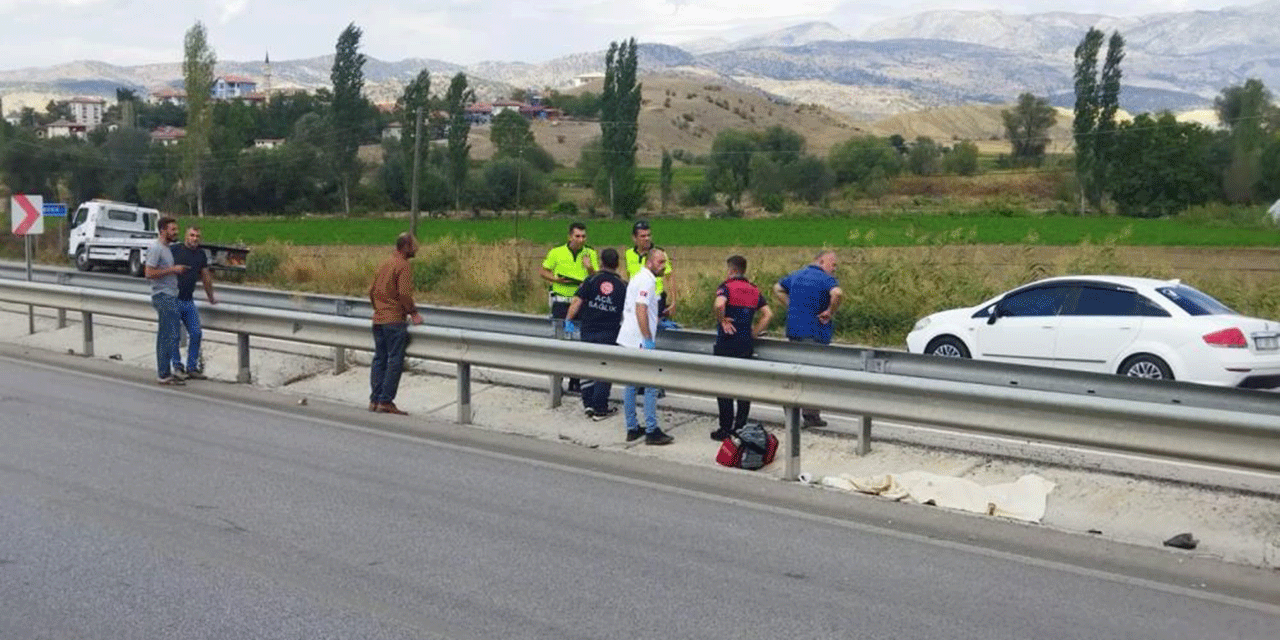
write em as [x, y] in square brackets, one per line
[731, 419]
[558, 311]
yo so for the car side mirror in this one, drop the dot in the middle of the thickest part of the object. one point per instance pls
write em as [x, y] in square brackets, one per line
[995, 313]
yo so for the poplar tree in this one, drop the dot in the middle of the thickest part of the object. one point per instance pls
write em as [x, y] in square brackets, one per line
[197, 72]
[665, 178]
[1108, 105]
[619, 122]
[349, 110]
[1085, 124]
[456, 101]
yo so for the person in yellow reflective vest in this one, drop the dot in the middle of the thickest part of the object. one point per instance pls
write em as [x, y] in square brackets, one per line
[642, 237]
[564, 269]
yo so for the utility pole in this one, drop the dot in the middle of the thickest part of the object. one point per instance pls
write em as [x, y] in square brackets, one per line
[417, 160]
[519, 176]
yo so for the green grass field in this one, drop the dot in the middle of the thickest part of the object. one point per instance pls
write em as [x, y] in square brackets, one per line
[861, 231]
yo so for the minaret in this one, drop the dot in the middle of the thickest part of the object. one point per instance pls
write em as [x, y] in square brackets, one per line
[266, 74]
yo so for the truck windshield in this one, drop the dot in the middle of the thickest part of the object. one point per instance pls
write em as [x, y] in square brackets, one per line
[81, 214]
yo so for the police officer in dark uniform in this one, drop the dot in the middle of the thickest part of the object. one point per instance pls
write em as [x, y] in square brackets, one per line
[597, 307]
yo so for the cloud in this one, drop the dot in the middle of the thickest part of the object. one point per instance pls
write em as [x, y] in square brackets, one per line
[231, 9]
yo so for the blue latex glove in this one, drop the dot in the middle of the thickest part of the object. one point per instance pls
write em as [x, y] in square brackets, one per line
[649, 344]
[570, 326]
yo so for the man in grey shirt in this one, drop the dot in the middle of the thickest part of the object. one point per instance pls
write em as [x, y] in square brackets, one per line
[163, 274]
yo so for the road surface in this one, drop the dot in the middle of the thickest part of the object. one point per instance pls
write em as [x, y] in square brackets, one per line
[132, 511]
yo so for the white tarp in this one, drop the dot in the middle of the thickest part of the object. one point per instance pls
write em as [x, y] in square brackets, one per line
[1022, 499]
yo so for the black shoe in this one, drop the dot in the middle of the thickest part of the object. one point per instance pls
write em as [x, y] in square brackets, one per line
[658, 437]
[634, 434]
[720, 434]
[662, 393]
[814, 422]
[589, 412]
[597, 416]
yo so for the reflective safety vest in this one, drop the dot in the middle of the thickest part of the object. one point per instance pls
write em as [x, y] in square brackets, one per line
[635, 261]
[564, 263]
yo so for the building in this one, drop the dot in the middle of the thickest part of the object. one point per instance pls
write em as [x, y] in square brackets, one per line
[168, 136]
[586, 78]
[169, 95]
[233, 88]
[87, 111]
[62, 129]
[394, 131]
[267, 143]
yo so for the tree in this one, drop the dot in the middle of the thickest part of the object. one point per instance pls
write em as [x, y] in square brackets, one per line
[925, 157]
[456, 101]
[856, 159]
[810, 179]
[197, 73]
[768, 184]
[962, 160]
[729, 171]
[349, 110]
[414, 106]
[781, 144]
[1162, 166]
[1087, 107]
[1268, 184]
[664, 179]
[510, 134]
[619, 116]
[1246, 111]
[1027, 128]
[1108, 105]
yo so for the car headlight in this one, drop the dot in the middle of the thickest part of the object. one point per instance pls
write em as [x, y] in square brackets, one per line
[921, 324]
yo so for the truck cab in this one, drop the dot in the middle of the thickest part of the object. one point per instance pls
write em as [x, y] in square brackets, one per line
[104, 232]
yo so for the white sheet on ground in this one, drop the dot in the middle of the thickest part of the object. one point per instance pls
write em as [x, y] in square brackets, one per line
[1023, 499]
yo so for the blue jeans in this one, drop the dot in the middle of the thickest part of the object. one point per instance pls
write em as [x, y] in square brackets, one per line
[650, 409]
[389, 343]
[190, 317]
[167, 333]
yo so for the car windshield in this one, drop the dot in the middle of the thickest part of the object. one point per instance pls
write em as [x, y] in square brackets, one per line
[1195, 302]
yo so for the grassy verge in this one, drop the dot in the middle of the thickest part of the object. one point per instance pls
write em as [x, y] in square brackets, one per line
[859, 231]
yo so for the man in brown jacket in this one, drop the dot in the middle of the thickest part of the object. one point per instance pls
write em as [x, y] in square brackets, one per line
[391, 295]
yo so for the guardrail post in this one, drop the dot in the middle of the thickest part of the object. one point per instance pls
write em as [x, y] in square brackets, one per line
[62, 318]
[864, 437]
[793, 443]
[555, 378]
[464, 393]
[86, 323]
[339, 360]
[243, 375]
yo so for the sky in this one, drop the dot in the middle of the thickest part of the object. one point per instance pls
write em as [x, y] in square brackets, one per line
[39, 33]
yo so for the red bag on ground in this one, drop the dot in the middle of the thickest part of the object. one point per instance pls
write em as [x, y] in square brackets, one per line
[751, 447]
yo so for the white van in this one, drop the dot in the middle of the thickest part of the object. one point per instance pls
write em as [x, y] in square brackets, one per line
[107, 233]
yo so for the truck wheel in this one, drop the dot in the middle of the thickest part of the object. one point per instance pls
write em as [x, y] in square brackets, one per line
[135, 264]
[83, 262]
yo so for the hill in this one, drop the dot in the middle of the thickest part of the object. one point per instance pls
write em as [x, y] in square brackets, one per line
[685, 112]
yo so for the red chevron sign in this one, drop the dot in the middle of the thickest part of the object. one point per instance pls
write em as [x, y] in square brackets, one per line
[26, 215]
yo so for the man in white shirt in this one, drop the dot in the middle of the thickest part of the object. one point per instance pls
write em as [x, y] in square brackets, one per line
[639, 327]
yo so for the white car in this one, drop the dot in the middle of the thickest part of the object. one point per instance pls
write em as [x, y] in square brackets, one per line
[1131, 326]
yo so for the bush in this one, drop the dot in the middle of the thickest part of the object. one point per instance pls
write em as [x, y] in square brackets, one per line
[564, 207]
[699, 194]
[772, 202]
[264, 261]
[440, 263]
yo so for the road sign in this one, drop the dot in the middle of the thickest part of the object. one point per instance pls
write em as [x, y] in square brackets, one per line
[25, 215]
[55, 210]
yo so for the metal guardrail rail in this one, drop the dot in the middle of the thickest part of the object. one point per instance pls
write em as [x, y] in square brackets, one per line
[1220, 436]
[844, 357]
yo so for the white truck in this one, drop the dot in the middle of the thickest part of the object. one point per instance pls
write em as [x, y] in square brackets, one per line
[107, 233]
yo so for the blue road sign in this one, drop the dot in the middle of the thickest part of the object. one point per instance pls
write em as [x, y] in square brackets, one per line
[55, 210]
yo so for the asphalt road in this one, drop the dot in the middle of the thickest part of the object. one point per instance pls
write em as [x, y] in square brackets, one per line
[130, 511]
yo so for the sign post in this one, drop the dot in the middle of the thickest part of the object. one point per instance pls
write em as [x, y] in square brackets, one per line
[26, 218]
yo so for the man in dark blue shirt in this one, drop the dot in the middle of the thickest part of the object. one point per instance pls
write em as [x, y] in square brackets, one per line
[812, 296]
[737, 326]
[597, 307]
[190, 253]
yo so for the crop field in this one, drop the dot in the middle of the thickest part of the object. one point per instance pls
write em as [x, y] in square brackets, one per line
[856, 231]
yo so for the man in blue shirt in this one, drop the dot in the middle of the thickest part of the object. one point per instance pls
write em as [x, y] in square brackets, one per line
[811, 296]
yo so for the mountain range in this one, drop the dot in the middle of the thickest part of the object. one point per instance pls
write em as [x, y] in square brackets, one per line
[1174, 60]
